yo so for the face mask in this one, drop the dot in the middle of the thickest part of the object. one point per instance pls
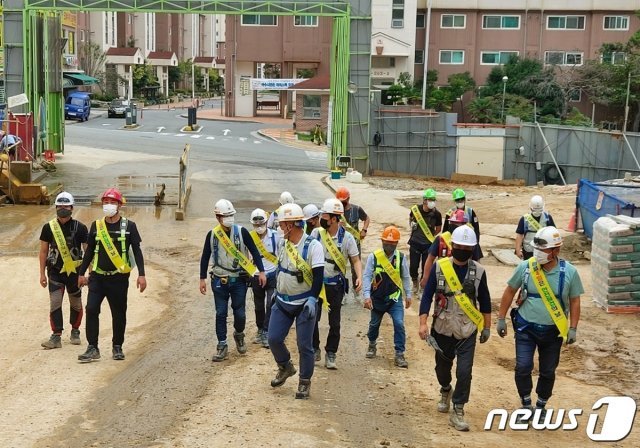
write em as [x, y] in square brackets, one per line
[461, 254]
[388, 248]
[63, 213]
[109, 210]
[431, 204]
[542, 257]
[228, 221]
[260, 229]
[460, 204]
[324, 223]
[536, 213]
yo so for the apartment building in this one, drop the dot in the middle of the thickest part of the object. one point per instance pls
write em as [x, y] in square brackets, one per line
[477, 35]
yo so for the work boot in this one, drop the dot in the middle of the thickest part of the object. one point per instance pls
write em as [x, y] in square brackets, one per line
[371, 351]
[92, 354]
[117, 352]
[445, 399]
[456, 418]
[264, 340]
[304, 387]
[415, 284]
[74, 338]
[221, 354]
[240, 345]
[317, 355]
[258, 338]
[400, 361]
[284, 371]
[330, 361]
[525, 420]
[53, 342]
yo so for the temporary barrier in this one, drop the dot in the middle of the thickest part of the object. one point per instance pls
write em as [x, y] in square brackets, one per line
[616, 197]
[184, 186]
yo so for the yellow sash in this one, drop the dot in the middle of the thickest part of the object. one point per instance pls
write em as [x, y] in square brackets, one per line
[535, 225]
[446, 237]
[110, 249]
[232, 250]
[68, 264]
[423, 225]
[549, 298]
[304, 267]
[393, 273]
[463, 300]
[335, 253]
[261, 247]
[349, 228]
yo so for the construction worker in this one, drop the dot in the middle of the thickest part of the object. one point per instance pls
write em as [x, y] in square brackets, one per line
[285, 198]
[63, 240]
[227, 247]
[311, 218]
[537, 321]
[386, 283]
[529, 224]
[300, 277]
[460, 201]
[462, 309]
[339, 248]
[441, 246]
[351, 218]
[111, 241]
[425, 221]
[266, 240]
[9, 143]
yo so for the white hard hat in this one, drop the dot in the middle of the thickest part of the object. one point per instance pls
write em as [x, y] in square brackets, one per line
[547, 237]
[290, 212]
[464, 236]
[64, 198]
[286, 198]
[333, 206]
[310, 211]
[224, 207]
[258, 216]
[536, 203]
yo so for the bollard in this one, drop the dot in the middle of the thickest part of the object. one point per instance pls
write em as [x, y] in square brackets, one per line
[134, 114]
[128, 116]
[191, 117]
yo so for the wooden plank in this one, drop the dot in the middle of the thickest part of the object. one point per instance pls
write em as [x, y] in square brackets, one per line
[506, 256]
[473, 178]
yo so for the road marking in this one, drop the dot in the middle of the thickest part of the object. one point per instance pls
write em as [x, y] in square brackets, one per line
[179, 135]
[196, 136]
[106, 124]
[166, 133]
[316, 155]
[257, 142]
[211, 138]
[160, 128]
[226, 131]
[242, 139]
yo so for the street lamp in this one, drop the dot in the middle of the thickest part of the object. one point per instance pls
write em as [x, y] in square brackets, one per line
[504, 91]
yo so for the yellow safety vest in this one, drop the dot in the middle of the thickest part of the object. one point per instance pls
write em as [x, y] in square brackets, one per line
[232, 250]
[535, 225]
[102, 235]
[335, 253]
[421, 222]
[262, 249]
[349, 228]
[306, 270]
[68, 264]
[462, 299]
[394, 274]
[549, 298]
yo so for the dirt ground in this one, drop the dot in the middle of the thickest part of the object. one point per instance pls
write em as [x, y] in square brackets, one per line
[168, 393]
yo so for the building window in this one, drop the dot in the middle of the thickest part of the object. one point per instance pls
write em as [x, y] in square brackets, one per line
[575, 96]
[81, 35]
[616, 23]
[305, 20]
[563, 58]
[614, 58]
[453, 21]
[397, 14]
[253, 20]
[501, 22]
[420, 20]
[419, 57]
[565, 22]
[129, 18]
[71, 42]
[452, 57]
[496, 57]
[311, 106]
[113, 29]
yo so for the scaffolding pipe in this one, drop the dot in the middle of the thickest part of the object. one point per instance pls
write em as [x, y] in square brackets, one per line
[630, 149]
[546, 146]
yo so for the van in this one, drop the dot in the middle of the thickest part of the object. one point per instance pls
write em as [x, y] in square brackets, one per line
[78, 106]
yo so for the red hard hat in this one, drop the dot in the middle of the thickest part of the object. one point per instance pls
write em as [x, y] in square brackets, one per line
[342, 194]
[390, 234]
[113, 193]
[458, 216]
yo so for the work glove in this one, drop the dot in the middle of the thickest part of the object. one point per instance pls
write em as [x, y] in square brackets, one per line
[572, 337]
[501, 327]
[484, 336]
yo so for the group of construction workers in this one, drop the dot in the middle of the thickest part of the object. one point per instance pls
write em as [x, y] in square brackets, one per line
[295, 260]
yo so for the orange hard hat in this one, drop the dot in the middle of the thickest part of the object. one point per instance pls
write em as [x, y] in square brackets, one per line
[342, 194]
[391, 234]
[113, 193]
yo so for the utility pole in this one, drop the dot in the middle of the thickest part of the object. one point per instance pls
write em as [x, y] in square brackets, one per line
[626, 106]
[426, 53]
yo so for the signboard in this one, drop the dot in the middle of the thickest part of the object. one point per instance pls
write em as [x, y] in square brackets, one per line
[273, 84]
[245, 85]
[69, 19]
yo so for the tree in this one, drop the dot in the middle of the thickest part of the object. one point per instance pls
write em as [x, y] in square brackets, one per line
[460, 83]
[483, 110]
[271, 71]
[143, 76]
[92, 61]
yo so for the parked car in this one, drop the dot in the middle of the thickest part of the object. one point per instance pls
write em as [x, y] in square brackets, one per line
[118, 108]
[78, 106]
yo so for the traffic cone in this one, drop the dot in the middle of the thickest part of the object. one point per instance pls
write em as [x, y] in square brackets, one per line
[572, 222]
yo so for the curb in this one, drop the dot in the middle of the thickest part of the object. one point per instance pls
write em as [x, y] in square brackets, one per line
[325, 180]
[221, 119]
[259, 131]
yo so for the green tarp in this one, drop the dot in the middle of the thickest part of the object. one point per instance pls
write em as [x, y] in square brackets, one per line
[80, 79]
